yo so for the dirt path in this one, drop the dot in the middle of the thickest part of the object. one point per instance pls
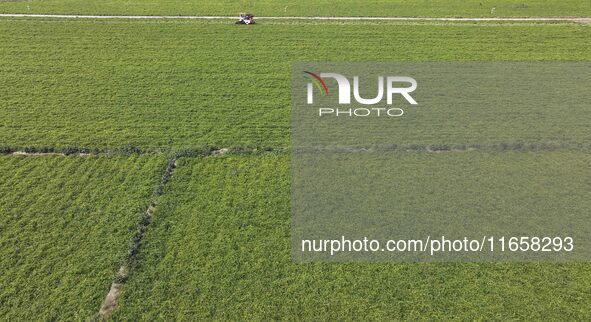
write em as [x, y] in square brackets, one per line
[585, 20]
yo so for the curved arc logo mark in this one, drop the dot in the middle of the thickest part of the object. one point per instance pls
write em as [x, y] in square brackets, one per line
[318, 82]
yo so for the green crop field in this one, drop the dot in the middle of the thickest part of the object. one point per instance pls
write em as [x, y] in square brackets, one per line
[179, 85]
[401, 8]
[65, 224]
[220, 249]
[140, 107]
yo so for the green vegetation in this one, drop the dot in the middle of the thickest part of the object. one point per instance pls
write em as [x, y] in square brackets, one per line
[65, 224]
[219, 243]
[401, 8]
[453, 194]
[219, 249]
[182, 85]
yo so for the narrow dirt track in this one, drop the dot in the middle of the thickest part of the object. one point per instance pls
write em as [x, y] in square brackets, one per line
[585, 20]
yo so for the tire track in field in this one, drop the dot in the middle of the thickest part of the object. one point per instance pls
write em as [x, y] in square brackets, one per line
[584, 20]
[110, 301]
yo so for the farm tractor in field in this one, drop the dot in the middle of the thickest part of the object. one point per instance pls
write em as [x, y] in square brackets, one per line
[245, 19]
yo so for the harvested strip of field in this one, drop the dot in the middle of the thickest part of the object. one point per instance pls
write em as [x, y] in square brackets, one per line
[65, 225]
[401, 8]
[219, 249]
[113, 84]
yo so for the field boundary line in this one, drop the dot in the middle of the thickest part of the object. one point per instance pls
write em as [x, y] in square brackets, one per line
[81, 154]
[110, 302]
[585, 20]
[205, 151]
[133, 150]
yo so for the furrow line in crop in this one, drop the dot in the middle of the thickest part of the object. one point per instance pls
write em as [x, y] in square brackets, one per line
[110, 301]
